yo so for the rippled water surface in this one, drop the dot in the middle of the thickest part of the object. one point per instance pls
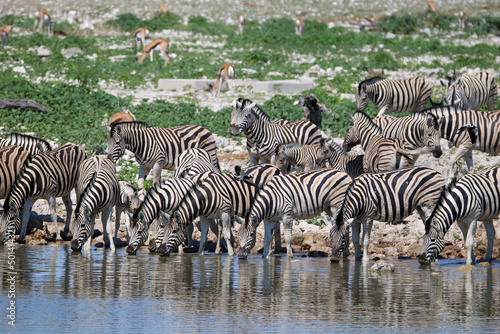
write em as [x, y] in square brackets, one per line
[58, 290]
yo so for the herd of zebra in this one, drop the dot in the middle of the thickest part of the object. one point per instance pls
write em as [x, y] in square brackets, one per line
[295, 173]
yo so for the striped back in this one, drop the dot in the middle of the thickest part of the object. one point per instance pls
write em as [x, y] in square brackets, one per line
[340, 160]
[386, 197]
[32, 144]
[210, 197]
[194, 161]
[97, 189]
[471, 91]
[393, 95]
[473, 197]
[295, 157]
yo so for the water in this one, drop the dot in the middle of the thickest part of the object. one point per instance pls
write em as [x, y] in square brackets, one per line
[58, 290]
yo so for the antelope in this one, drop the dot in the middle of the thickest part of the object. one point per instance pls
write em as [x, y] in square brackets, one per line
[122, 116]
[431, 6]
[299, 26]
[162, 9]
[462, 20]
[42, 17]
[158, 45]
[140, 35]
[4, 34]
[225, 73]
[241, 24]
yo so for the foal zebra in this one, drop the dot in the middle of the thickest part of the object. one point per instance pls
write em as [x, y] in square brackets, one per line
[385, 197]
[32, 144]
[471, 91]
[393, 95]
[289, 197]
[49, 175]
[380, 154]
[265, 135]
[339, 160]
[295, 157]
[219, 196]
[474, 197]
[157, 148]
[422, 134]
[98, 190]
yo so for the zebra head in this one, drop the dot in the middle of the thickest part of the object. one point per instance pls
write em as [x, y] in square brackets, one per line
[353, 137]
[82, 228]
[247, 237]
[11, 222]
[362, 98]
[433, 135]
[239, 116]
[116, 144]
[323, 153]
[339, 234]
[138, 233]
[282, 162]
[174, 236]
[453, 95]
[433, 244]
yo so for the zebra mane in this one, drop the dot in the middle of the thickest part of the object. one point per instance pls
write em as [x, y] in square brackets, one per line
[86, 192]
[256, 109]
[472, 130]
[454, 76]
[369, 81]
[448, 188]
[42, 144]
[285, 146]
[127, 126]
[366, 120]
[153, 191]
[19, 177]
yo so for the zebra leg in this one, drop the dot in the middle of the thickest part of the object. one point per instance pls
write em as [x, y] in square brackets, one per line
[277, 237]
[367, 228]
[216, 227]
[118, 214]
[52, 205]
[205, 225]
[226, 230]
[490, 234]
[157, 168]
[268, 237]
[254, 158]
[143, 172]
[189, 235]
[287, 226]
[463, 150]
[87, 245]
[468, 231]
[69, 212]
[108, 234]
[356, 227]
[25, 218]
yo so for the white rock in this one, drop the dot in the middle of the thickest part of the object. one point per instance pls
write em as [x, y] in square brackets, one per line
[19, 69]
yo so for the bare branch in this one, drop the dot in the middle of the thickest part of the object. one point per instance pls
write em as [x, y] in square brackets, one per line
[23, 104]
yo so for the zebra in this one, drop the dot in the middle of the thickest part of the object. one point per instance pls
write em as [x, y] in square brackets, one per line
[220, 196]
[393, 95]
[128, 202]
[452, 122]
[474, 197]
[194, 161]
[288, 197]
[471, 91]
[339, 160]
[295, 157]
[265, 135]
[422, 134]
[386, 197]
[13, 158]
[32, 144]
[98, 190]
[380, 154]
[49, 175]
[157, 148]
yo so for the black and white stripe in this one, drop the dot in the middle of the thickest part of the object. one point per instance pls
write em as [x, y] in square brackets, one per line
[12, 160]
[380, 154]
[471, 91]
[295, 157]
[128, 202]
[98, 190]
[474, 197]
[218, 196]
[340, 160]
[289, 197]
[422, 134]
[393, 95]
[157, 148]
[265, 135]
[194, 161]
[49, 175]
[32, 144]
[385, 197]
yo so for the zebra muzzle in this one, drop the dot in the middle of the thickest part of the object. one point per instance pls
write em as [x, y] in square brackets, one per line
[234, 130]
[423, 259]
[131, 250]
[75, 246]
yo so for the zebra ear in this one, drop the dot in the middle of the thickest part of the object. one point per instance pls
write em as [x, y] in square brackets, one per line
[251, 106]
[444, 83]
[239, 105]
[431, 120]
[350, 118]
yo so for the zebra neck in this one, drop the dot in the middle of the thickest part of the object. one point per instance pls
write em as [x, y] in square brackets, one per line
[373, 92]
[367, 134]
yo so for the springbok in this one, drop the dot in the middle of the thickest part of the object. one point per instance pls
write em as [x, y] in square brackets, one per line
[299, 26]
[462, 20]
[140, 35]
[4, 34]
[431, 6]
[122, 116]
[225, 73]
[158, 45]
[163, 9]
[241, 24]
[42, 17]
